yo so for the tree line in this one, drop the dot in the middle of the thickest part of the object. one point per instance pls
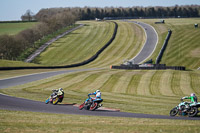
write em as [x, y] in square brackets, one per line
[53, 19]
[140, 12]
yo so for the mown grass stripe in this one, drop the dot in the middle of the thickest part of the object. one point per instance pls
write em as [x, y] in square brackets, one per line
[122, 84]
[175, 83]
[123, 46]
[195, 82]
[111, 82]
[165, 84]
[133, 84]
[155, 83]
[185, 84]
[143, 87]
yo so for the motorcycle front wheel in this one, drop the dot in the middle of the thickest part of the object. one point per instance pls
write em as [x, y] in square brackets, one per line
[193, 112]
[47, 101]
[55, 101]
[173, 112]
[81, 106]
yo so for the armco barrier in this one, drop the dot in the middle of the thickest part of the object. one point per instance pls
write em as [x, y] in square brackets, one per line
[147, 67]
[72, 65]
[158, 59]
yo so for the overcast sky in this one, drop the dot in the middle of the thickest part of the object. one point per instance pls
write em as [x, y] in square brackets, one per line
[13, 9]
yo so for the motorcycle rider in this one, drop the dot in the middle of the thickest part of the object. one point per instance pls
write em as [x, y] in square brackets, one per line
[59, 91]
[193, 99]
[97, 97]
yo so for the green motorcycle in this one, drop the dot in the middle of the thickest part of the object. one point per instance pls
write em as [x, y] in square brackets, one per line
[184, 108]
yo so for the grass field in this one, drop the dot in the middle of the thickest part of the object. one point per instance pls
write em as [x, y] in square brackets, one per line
[19, 121]
[9, 63]
[14, 28]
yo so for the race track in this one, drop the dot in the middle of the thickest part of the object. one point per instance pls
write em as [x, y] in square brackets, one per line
[19, 104]
[150, 44]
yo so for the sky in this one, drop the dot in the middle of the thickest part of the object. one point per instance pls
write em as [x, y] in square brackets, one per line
[14, 9]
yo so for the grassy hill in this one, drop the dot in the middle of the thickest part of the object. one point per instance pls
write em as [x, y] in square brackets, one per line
[14, 28]
[183, 48]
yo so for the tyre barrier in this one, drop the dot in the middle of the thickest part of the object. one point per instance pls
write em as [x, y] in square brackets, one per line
[72, 65]
[158, 59]
[147, 67]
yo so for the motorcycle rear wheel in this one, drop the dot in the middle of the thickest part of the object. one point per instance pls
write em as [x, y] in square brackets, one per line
[93, 107]
[193, 112]
[173, 112]
[55, 101]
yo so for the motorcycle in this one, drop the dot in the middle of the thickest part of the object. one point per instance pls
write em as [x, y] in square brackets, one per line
[54, 98]
[90, 105]
[184, 108]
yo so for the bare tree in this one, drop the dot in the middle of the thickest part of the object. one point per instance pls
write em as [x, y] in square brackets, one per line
[28, 16]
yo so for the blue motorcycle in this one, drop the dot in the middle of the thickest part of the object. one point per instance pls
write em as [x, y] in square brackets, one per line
[91, 104]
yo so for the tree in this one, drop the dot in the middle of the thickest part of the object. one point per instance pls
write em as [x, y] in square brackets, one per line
[28, 16]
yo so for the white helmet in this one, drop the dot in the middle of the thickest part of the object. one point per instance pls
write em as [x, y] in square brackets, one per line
[192, 94]
[97, 91]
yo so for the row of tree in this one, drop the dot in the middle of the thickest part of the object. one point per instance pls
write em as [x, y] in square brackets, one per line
[53, 19]
[140, 12]
[11, 46]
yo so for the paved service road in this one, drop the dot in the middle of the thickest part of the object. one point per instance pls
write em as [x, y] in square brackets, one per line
[150, 44]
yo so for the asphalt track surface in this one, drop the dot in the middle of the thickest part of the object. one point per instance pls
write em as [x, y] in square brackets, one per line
[150, 44]
[20, 104]
[5, 83]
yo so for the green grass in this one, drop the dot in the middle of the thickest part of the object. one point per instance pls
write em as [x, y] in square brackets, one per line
[20, 121]
[183, 48]
[78, 45]
[81, 45]
[128, 42]
[10, 63]
[14, 28]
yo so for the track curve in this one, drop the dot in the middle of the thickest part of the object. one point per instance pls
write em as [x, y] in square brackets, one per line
[150, 44]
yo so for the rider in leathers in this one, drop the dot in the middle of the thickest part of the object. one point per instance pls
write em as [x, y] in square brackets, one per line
[193, 99]
[97, 97]
[59, 91]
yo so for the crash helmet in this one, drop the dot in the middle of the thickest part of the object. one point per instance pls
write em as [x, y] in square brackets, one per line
[192, 94]
[97, 91]
[61, 89]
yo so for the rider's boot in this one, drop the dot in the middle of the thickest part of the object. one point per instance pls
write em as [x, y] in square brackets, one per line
[100, 105]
